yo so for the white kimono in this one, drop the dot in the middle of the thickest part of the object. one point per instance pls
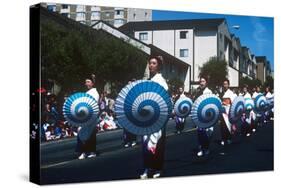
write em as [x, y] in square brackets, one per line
[228, 95]
[85, 132]
[207, 91]
[255, 94]
[152, 139]
[94, 93]
[268, 95]
[252, 114]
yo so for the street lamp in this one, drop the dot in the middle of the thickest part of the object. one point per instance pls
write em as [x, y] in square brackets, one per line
[236, 27]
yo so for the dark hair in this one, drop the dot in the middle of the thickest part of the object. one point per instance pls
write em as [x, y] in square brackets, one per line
[92, 77]
[204, 77]
[226, 80]
[159, 59]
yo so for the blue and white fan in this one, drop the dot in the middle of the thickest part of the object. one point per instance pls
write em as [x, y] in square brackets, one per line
[260, 103]
[236, 110]
[81, 109]
[249, 104]
[270, 102]
[206, 110]
[143, 107]
[183, 106]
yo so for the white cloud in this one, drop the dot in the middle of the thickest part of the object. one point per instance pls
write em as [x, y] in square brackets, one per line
[259, 34]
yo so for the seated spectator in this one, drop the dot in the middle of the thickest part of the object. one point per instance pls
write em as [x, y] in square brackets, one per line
[106, 122]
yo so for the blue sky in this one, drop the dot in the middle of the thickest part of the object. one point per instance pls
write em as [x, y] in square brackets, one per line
[255, 32]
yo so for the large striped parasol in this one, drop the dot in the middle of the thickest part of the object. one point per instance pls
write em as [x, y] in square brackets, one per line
[183, 106]
[260, 103]
[81, 109]
[143, 107]
[249, 104]
[236, 110]
[206, 110]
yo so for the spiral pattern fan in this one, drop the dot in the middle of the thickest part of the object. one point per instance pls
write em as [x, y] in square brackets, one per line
[260, 103]
[183, 106]
[249, 104]
[236, 110]
[270, 102]
[81, 109]
[143, 107]
[206, 110]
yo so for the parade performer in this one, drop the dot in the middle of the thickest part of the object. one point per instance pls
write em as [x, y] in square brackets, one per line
[154, 144]
[88, 148]
[260, 117]
[204, 134]
[269, 112]
[130, 139]
[249, 116]
[179, 120]
[226, 127]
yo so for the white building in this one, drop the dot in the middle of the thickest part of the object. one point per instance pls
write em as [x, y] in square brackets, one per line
[173, 67]
[89, 15]
[192, 41]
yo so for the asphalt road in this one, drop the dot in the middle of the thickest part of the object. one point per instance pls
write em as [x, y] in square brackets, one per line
[59, 163]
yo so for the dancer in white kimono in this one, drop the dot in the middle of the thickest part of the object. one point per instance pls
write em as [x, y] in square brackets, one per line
[226, 128]
[154, 144]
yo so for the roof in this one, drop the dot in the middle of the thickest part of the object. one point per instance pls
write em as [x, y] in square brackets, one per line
[171, 24]
[113, 27]
[154, 48]
[260, 58]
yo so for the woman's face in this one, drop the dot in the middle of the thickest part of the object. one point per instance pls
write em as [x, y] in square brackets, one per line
[225, 85]
[48, 107]
[89, 84]
[267, 89]
[203, 83]
[153, 66]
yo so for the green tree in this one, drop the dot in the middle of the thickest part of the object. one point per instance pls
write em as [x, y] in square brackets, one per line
[215, 70]
[251, 83]
[71, 55]
[269, 82]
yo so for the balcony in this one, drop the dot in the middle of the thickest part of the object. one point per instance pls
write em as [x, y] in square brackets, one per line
[95, 16]
[65, 9]
[81, 8]
[95, 9]
[80, 16]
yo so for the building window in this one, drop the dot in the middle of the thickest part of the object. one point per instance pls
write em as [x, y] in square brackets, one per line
[143, 36]
[80, 8]
[80, 16]
[95, 14]
[64, 14]
[183, 52]
[183, 34]
[51, 8]
[107, 14]
[119, 12]
[64, 6]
